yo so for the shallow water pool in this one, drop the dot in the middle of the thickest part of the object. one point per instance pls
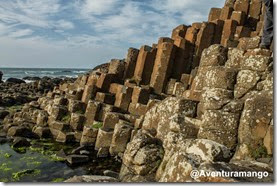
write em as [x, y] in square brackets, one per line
[40, 163]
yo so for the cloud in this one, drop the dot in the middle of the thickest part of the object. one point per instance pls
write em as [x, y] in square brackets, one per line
[99, 7]
[63, 24]
[90, 25]
[21, 33]
[29, 12]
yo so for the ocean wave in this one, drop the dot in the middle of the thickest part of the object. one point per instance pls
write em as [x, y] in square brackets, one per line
[80, 71]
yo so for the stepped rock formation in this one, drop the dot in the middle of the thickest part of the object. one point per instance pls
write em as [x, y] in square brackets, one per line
[200, 100]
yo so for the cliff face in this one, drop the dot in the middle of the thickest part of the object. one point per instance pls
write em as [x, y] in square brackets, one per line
[200, 100]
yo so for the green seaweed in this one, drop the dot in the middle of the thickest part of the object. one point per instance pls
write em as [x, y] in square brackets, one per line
[54, 157]
[28, 158]
[5, 180]
[7, 155]
[58, 180]
[17, 175]
[80, 112]
[66, 118]
[15, 108]
[97, 125]
[4, 167]
[19, 149]
[34, 163]
[36, 149]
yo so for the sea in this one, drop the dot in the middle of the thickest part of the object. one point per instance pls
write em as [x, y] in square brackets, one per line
[20, 73]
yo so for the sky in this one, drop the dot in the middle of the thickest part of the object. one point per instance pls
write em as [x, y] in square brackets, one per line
[86, 33]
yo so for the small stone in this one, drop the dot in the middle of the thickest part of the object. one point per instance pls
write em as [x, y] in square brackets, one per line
[77, 159]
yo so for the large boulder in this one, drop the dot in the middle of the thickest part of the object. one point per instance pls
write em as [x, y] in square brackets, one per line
[15, 80]
[142, 157]
[246, 80]
[220, 126]
[254, 124]
[215, 98]
[170, 115]
[1, 75]
[178, 162]
[215, 55]
[220, 77]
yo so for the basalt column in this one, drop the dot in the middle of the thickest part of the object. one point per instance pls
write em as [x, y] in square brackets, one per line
[145, 63]
[163, 64]
[131, 62]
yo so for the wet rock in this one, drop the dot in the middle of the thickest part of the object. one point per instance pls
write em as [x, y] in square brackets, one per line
[85, 152]
[20, 142]
[77, 159]
[15, 80]
[90, 179]
[3, 114]
[18, 131]
[61, 154]
[111, 174]
[31, 78]
[78, 149]
[1, 75]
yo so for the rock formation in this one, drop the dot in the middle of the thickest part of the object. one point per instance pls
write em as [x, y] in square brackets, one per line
[200, 100]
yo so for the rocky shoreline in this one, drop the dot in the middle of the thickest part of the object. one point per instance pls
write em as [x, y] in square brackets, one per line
[200, 100]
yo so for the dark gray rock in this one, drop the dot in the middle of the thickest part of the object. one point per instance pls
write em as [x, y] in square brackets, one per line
[20, 142]
[3, 114]
[15, 80]
[77, 159]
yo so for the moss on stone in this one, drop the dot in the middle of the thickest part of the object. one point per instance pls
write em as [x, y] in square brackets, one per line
[17, 175]
[19, 149]
[66, 118]
[58, 180]
[54, 157]
[34, 163]
[5, 180]
[15, 108]
[258, 151]
[7, 155]
[4, 167]
[80, 112]
[97, 125]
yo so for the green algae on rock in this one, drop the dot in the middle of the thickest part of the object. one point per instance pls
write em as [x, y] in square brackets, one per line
[57, 180]
[17, 175]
